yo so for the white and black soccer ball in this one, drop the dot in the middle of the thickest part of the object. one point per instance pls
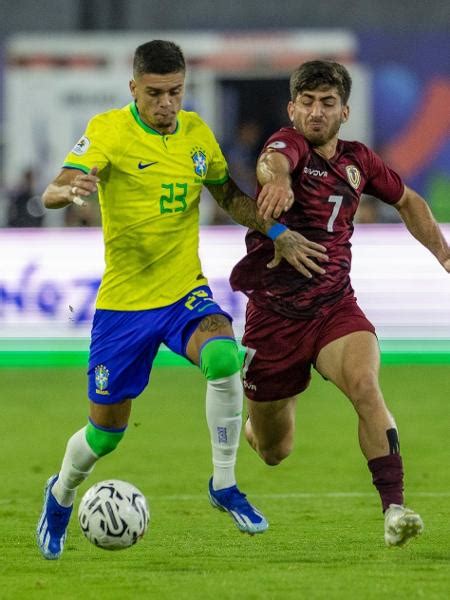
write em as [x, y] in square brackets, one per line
[113, 514]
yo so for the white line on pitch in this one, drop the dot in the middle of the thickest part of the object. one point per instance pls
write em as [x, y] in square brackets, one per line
[300, 495]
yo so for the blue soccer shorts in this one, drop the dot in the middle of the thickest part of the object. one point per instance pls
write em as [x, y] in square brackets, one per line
[124, 343]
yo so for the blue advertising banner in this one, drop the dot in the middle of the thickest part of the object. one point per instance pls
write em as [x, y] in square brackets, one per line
[411, 100]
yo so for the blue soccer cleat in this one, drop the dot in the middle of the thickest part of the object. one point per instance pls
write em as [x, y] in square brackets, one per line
[51, 530]
[231, 500]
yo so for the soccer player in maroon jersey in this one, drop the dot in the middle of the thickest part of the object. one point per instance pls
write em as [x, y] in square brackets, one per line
[313, 182]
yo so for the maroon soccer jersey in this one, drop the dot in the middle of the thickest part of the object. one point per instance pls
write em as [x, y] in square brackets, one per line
[327, 194]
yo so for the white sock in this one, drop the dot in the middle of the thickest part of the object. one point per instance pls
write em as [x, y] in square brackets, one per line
[224, 399]
[78, 462]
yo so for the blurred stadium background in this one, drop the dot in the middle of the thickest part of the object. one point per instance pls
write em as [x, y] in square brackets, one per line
[61, 62]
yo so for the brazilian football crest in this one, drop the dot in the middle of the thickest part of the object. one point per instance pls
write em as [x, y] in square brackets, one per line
[200, 163]
[353, 176]
[101, 379]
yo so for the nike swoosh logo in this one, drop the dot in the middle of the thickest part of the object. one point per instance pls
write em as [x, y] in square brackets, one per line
[205, 306]
[142, 165]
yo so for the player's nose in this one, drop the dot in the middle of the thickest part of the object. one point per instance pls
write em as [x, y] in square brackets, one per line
[316, 109]
[165, 99]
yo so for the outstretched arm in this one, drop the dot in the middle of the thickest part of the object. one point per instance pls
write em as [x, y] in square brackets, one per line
[419, 220]
[239, 206]
[290, 245]
[71, 185]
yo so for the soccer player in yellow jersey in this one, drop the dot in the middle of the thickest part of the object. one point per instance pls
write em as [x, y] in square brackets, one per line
[148, 162]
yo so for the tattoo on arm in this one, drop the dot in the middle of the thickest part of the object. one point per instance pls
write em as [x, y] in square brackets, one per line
[213, 322]
[239, 206]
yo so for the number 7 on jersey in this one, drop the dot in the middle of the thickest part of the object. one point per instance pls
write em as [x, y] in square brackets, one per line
[337, 200]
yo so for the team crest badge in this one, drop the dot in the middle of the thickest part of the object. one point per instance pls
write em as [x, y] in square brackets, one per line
[276, 144]
[200, 163]
[81, 146]
[101, 379]
[353, 176]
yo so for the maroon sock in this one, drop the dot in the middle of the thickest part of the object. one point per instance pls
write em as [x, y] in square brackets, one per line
[387, 477]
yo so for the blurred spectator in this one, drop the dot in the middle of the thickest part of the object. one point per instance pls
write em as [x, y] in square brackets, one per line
[25, 206]
[241, 156]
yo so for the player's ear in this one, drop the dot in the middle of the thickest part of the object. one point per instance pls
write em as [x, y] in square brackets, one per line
[133, 88]
[345, 113]
[290, 111]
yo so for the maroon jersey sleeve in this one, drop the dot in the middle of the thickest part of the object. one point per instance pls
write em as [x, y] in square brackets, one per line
[383, 182]
[286, 141]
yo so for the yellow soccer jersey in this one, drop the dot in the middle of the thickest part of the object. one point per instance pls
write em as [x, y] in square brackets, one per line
[149, 195]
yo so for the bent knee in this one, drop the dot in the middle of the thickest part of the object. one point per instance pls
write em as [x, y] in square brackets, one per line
[101, 440]
[365, 390]
[219, 358]
[274, 455]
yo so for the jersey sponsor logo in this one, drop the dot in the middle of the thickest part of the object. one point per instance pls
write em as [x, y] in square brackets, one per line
[353, 176]
[249, 386]
[101, 379]
[81, 147]
[315, 172]
[200, 163]
[249, 355]
[142, 165]
[277, 144]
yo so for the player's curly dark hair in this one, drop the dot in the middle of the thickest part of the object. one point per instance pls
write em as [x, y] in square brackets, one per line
[315, 73]
[158, 56]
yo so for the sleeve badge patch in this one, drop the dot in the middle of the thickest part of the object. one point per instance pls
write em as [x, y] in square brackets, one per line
[276, 144]
[81, 146]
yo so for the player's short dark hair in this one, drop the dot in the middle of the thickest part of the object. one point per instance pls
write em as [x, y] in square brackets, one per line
[158, 56]
[315, 73]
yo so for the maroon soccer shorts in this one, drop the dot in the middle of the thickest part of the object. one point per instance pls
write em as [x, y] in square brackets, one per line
[280, 351]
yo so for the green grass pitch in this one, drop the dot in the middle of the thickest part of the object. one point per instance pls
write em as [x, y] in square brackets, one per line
[326, 528]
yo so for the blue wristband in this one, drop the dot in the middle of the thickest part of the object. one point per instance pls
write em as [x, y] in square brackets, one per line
[276, 230]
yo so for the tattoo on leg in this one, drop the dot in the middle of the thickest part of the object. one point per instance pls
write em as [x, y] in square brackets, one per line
[213, 323]
[394, 444]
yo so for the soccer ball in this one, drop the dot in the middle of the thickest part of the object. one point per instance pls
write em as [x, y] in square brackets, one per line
[113, 514]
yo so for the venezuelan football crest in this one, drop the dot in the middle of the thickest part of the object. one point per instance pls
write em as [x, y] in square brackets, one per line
[200, 163]
[353, 176]
[101, 379]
